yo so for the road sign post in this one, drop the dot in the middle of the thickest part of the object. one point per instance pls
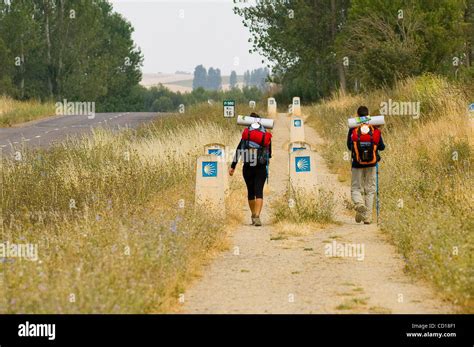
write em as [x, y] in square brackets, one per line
[229, 108]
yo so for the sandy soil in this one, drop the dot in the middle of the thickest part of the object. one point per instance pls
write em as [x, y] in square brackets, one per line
[263, 274]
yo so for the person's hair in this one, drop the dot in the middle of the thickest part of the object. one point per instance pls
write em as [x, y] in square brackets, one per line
[253, 114]
[362, 111]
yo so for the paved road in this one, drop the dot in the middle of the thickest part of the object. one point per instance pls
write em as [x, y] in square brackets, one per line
[44, 132]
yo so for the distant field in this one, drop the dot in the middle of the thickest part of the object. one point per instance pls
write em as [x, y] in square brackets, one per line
[180, 82]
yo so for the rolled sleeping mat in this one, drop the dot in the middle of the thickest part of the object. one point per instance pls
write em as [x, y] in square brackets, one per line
[247, 120]
[372, 120]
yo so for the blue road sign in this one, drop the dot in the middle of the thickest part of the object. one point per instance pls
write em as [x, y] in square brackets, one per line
[297, 123]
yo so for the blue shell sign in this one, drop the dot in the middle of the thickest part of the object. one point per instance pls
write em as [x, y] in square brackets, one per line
[298, 149]
[209, 169]
[215, 151]
[303, 164]
[297, 123]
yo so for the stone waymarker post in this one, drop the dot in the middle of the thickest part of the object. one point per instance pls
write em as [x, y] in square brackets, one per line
[303, 171]
[296, 129]
[272, 107]
[297, 146]
[296, 107]
[210, 184]
[218, 149]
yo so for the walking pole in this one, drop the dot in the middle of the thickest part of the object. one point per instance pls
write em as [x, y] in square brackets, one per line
[268, 167]
[377, 191]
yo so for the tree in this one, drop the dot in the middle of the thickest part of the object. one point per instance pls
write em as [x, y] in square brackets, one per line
[247, 78]
[296, 37]
[200, 77]
[79, 50]
[233, 80]
[388, 41]
[318, 46]
[163, 104]
[214, 81]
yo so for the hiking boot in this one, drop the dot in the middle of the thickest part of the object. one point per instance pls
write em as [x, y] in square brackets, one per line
[358, 217]
[253, 220]
[361, 208]
[258, 222]
[367, 221]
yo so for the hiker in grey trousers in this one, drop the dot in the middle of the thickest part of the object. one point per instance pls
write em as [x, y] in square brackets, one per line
[364, 142]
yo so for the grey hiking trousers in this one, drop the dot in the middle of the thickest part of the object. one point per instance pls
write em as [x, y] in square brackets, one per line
[363, 189]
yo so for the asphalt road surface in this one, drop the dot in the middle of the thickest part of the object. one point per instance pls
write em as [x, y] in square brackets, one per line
[42, 133]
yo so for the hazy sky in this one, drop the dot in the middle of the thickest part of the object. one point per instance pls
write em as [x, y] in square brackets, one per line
[180, 34]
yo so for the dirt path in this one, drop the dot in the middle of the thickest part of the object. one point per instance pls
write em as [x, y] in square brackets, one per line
[259, 274]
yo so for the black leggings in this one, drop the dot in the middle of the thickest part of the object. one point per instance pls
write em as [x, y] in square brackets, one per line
[255, 177]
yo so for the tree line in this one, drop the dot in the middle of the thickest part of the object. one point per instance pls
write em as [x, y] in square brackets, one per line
[63, 49]
[161, 99]
[316, 47]
[212, 80]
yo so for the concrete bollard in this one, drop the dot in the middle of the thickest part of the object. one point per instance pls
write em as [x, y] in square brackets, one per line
[210, 184]
[296, 107]
[296, 129]
[299, 145]
[218, 149]
[303, 171]
[215, 148]
[272, 107]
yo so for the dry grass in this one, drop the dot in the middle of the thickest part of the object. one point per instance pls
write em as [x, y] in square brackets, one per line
[103, 212]
[302, 208]
[14, 112]
[425, 178]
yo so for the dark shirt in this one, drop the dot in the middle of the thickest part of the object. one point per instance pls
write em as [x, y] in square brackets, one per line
[355, 164]
[246, 158]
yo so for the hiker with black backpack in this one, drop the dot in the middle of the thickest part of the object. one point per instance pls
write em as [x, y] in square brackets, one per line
[364, 141]
[255, 149]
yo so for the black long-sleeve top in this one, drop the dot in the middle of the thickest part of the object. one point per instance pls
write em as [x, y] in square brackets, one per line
[240, 149]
